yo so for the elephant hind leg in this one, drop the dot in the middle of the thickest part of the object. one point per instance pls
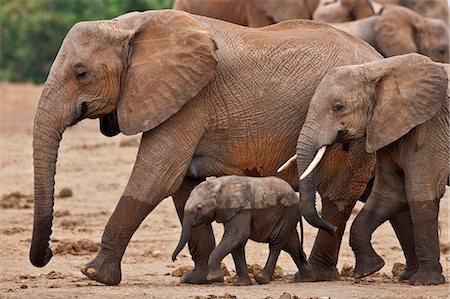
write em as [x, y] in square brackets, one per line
[201, 242]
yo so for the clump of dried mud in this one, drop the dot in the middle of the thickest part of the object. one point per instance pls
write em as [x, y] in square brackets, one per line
[80, 247]
[16, 200]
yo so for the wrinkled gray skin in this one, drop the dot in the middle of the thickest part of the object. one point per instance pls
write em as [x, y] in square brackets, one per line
[211, 98]
[399, 30]
[437, 9]
[401, 106]
[253, 13]
[261, 209]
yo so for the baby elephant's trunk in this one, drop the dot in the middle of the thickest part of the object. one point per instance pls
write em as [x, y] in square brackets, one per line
[185, 234]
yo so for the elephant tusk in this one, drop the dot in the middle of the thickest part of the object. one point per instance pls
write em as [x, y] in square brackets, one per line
[314, 162]
[287, 163]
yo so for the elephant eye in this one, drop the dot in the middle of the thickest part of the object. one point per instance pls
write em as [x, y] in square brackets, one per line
[338, 107]
[81, 73]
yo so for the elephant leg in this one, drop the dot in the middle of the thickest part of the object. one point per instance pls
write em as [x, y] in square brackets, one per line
[127, 217]
[375, 212]
[236, 234]
[201, 243]
[424, 216]
[265, 276]
[325, 252]
[241, 267]
[295, 250]
[403, 227]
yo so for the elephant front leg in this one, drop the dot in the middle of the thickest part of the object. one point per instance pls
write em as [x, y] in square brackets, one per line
[201, 243]
[424, 215]
[265, 275]
[325, 252]
[241, 267]
[127, 217]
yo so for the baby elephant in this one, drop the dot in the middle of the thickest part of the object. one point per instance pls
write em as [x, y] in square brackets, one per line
[262, 209]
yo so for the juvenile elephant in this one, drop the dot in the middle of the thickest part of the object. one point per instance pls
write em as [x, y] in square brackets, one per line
[253, 13]
[261, 209]
[401, 105]
[399, 30]
[211, 98]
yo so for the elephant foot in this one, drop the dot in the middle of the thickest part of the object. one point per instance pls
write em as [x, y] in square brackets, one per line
[243, 281]
[408, 273]
[103, 270]
[324, 273]
[427, 278]
[196, 276]
[305, 274]
[262, 277]
[367, 265]
[215, 276]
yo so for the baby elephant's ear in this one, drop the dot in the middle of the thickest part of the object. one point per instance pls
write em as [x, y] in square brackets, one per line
[171, 59]
[233, 197]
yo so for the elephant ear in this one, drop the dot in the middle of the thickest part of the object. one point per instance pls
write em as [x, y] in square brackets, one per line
[395, 31]
[409, 90]
[233, 196]
[172, 57]
[282, 10]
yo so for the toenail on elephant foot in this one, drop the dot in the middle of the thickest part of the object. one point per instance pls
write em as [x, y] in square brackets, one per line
[367, 265]
[195, 277]
[101, 270]
[427, 278]
[262, 278]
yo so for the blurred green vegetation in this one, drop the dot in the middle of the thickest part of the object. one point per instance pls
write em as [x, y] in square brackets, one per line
[31, 31]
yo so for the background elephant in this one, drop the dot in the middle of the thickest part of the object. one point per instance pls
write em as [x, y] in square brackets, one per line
[430, 8]
[338, 11]
[399, 30]
[261, 209]
[253, 13]
[211, 98]
[401, 105]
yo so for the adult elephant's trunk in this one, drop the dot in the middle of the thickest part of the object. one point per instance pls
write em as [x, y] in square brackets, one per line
[306, 152]
[185, 234]
[47, 134]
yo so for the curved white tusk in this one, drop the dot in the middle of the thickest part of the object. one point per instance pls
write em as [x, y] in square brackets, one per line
[287, 163]
[314, 162]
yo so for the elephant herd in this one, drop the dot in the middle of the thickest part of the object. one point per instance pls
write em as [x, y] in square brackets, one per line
[359, 108]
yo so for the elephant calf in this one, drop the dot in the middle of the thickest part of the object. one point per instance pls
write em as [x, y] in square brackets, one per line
[262, 209]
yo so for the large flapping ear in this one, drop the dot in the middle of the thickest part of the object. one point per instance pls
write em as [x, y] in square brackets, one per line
[395, 31]
[233, 196]
[171, 59]
[409, 90]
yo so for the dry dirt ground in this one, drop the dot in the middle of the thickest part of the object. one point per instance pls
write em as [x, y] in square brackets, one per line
[96, 169]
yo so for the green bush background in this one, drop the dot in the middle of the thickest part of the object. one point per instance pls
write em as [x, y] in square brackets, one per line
[31, 31]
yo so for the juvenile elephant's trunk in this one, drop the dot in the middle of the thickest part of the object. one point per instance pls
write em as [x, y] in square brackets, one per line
[47, 134]
[306, 151]
[185, 234]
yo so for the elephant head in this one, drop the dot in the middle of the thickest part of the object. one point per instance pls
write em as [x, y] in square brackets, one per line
[132, 72]
[282, 10]
[338, 11]
[401, 31]
[381, 101]
[216, 199]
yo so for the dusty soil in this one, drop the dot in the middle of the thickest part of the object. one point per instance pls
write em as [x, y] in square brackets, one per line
[96, 168]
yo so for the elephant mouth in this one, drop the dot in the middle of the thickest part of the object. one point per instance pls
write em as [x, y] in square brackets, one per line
[82, 111]
[341, 135]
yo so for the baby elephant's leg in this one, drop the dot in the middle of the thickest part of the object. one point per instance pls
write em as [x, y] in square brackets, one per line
[265, 275]
[295, 250]
[236, 234]
[241, 267]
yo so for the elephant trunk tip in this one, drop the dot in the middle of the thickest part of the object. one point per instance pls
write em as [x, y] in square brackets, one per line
[38, 259]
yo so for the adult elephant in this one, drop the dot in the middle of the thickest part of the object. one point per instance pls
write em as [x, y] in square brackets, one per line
[401, 105]
[437, 9]
[211, 98]
[253, 13]
[399, 30]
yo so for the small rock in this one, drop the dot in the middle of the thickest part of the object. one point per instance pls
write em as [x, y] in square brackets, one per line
[24, 286]
[397, 269]
[285, 296]
[65, 192]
